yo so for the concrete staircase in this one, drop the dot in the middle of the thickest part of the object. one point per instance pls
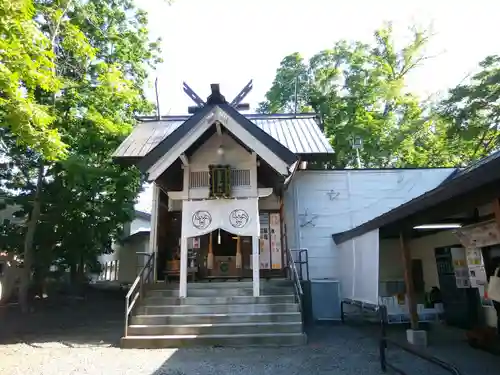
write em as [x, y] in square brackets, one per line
[217, 314]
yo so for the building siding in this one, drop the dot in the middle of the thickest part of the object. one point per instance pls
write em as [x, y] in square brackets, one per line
[321, 203]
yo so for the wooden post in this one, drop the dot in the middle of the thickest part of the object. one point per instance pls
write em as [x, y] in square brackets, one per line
[184, 268]
[410, 289]
[496, 210]
[256, 265]
[153, 238]
[238, 252]
[210, 256]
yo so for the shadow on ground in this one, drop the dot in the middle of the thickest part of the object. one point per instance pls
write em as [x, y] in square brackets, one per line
[95, 319]
[337, 350]
[332, 350]
[82, 336]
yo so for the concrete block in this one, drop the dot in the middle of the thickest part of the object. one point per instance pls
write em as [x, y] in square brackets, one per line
[417, 337]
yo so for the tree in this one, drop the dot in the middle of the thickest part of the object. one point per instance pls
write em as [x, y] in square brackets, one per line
[359, 91]
[288, 94]
[473, 111]
[27, 66]
[101, 53]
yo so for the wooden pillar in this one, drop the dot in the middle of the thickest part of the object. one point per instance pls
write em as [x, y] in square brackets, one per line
[238, 253]
[496, 211]
[153, 237]
[184, 268]
[210, 256]
[410, 288]
[256, 265]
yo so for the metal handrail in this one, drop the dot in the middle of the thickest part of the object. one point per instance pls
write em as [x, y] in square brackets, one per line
[295, 277]
[384, 340]
[412, 350]
[301, 262]
[137, 288]
[362, 305]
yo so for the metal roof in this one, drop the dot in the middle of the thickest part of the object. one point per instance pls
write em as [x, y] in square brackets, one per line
[300, 133]
[485, 171]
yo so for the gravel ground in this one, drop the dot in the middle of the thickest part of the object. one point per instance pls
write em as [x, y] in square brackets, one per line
[83, 340]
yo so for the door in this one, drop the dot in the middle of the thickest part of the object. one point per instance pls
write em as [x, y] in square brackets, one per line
[460, 304]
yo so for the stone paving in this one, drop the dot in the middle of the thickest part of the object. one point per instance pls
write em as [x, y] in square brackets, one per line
[82, 341]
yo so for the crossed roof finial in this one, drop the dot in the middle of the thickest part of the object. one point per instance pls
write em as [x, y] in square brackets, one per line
[217, 98]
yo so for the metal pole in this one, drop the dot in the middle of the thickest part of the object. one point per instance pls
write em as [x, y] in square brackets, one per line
[358, 160]
[158, 115]
[296, 98]
[383, 335]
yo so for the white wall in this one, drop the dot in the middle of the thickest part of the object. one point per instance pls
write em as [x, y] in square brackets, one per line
[139, 224]
[391, 259]
[321, 203]
[234, 154]
[126, 254]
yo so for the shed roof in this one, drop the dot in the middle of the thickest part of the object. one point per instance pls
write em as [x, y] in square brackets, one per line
[300, 133]
[485, 171]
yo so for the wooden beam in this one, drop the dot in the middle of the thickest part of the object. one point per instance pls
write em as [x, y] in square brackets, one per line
[410, 288]
[184, 159]
[457, 205]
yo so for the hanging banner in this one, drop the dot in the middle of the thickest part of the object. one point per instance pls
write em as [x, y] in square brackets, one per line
[265, 251]
[275, 235]
[236, 216]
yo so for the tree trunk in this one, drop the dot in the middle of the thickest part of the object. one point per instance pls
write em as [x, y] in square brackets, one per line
[24, 286]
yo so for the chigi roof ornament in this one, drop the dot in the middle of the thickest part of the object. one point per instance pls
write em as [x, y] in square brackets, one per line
[217, 98]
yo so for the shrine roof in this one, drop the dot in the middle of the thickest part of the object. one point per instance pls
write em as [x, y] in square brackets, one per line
[300, 133]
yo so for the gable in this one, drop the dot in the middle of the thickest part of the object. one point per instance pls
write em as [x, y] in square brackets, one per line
[234, 153]
[170, 149]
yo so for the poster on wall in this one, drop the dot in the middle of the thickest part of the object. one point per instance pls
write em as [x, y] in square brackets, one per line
[475, 263]
[275, 237]
[265, 249]
[459, 258]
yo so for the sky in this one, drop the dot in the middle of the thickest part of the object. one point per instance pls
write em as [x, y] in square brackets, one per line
[232, 41]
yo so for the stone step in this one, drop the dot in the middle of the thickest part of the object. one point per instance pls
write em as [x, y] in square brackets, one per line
[214, 329]
[206, 292]
[218, 309]
[187, 319]
[224, 300]
[177, 341]
[223, 284]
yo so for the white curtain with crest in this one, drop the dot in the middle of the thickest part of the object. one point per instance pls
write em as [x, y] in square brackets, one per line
[236, 216]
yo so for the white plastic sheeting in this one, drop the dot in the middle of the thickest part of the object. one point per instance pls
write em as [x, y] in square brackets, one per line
[359, 267]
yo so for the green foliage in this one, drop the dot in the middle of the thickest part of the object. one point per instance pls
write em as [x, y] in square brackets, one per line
[359, 90]
[473, 110]
[102, 54]
[27, 67]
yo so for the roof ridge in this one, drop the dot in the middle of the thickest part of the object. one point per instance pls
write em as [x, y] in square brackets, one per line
[247, 115]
